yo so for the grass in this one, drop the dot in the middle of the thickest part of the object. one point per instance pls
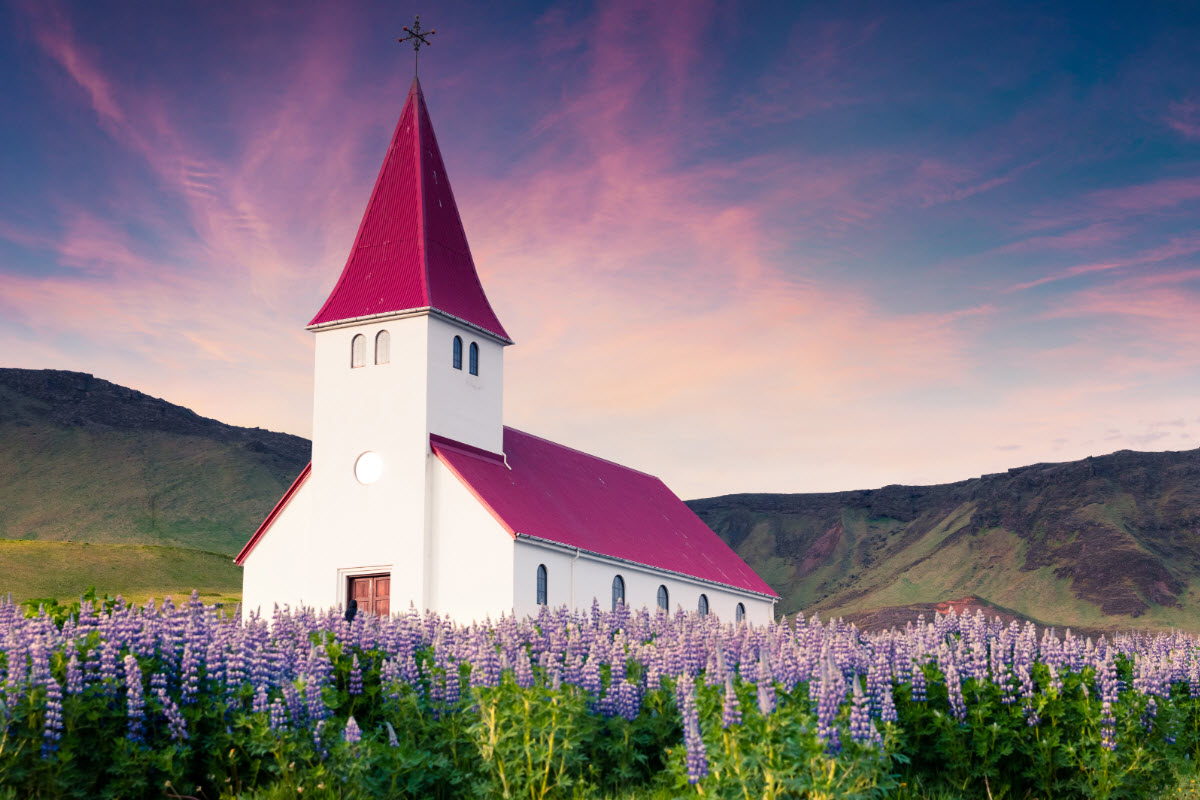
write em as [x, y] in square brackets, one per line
[64, 570]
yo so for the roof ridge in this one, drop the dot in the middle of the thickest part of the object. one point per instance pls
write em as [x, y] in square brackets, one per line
[582, 453]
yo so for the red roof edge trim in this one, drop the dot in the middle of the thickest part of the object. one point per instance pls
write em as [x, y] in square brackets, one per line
[467, 484]
[275, 512]
[773, 597]
[436, 441]
[409, 312]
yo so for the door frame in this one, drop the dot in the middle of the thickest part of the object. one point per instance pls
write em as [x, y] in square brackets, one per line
[346, 573]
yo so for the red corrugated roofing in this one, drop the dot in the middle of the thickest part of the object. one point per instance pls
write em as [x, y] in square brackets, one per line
[552, 492]
[411, 250]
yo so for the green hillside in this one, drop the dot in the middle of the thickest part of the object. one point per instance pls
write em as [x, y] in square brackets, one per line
[84, 460]
[65, 570]
[1103, 543]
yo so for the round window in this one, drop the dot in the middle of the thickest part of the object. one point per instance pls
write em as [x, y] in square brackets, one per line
[368, 468]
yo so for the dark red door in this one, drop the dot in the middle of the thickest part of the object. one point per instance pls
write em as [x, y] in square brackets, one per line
[373, 593]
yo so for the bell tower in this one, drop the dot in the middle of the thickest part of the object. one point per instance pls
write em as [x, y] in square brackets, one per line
[407, 345]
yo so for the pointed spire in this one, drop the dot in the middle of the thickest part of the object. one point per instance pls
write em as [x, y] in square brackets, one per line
[411, 251]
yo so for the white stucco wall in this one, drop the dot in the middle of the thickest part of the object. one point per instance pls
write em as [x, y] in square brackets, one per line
[575, 581]
[283, 567]
[469, 552]
[379, 408]
[464, 407]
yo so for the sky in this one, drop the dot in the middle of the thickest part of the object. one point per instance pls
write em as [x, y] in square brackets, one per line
[746, 247]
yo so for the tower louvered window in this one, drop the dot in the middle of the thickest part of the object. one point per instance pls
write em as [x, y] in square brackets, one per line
[541, 585]
[383, 347]
[358, 351]
[474, 359]
[703, 605]
[740, 614]
[618, 592]
[664, 599]
[458, 352]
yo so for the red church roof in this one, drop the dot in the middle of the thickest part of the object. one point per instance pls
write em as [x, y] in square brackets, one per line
[411, 251]
[551, 492]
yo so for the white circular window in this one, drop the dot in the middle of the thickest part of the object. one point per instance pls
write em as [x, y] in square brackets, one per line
[368, 468]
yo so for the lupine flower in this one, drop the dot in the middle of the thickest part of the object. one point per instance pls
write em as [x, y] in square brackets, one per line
[830, 693]
[766, 685]
[317, 739]
[697, 756]
[278, 715]
[176, 725]
[352, 734]
[862, 729]
[260, 702]
[74, 676]
[52, 728]
[134, 702]
[732, 712]
[355, 687]
[918, 682]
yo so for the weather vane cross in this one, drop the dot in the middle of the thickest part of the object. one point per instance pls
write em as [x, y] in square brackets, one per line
[418, 38]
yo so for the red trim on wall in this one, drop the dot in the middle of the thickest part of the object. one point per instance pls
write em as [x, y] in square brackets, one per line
[275, 512]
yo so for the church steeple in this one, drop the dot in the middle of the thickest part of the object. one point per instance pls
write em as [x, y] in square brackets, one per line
[411, 252]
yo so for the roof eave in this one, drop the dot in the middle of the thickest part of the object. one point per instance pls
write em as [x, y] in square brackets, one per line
[686, 576]
[384, 316]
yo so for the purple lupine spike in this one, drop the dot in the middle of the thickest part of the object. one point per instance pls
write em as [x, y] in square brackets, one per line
[629, 700]
[693, 742]
[134, 702]
[352, 734]
[862, 729]
[260, 703]
[958, 706]
[731, 713]
[918, 682]
[176, 725]
[278, 715]
[766, 685]
[314, 699]
[830, 693]
[52, 726]
[356, 686]
[523, 670]
[318, 736]
[74, 675]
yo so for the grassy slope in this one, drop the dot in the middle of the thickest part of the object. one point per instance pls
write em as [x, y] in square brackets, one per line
[1108, 543]
[119, 486]
[64, 570]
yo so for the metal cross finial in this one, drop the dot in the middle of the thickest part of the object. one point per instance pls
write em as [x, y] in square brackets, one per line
[417, 37]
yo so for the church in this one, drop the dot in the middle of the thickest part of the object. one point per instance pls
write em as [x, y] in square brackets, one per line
[417, 493]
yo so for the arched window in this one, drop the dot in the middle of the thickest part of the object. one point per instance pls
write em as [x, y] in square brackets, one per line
[458, 352]
[703, 606]
[474, 359]
[664, 599]
[383, 347]
[358, 351]
[740, 613]
[541, 585]
[618, 592]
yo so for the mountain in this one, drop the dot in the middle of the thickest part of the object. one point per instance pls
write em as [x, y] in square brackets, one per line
[86, 460]
[1107, 542]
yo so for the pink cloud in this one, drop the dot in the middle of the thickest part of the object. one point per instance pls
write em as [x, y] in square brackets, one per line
[1184, 117]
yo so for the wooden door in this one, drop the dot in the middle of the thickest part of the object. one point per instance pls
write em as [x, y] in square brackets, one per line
[373, 593]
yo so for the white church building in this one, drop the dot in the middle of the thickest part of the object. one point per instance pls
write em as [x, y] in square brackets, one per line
[418, 493]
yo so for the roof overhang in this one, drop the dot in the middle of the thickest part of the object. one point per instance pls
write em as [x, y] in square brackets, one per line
[406, 313]
[563, 548]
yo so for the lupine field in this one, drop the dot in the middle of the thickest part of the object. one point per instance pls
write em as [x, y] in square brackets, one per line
[110, 700]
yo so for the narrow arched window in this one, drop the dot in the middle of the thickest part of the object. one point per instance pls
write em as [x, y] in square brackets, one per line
[618, 592]
[358, 351]
[458, 352]
[541, 585]
[703, 606]
[740, 613]
[664, 599]
[383, 347]
[474, 359]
